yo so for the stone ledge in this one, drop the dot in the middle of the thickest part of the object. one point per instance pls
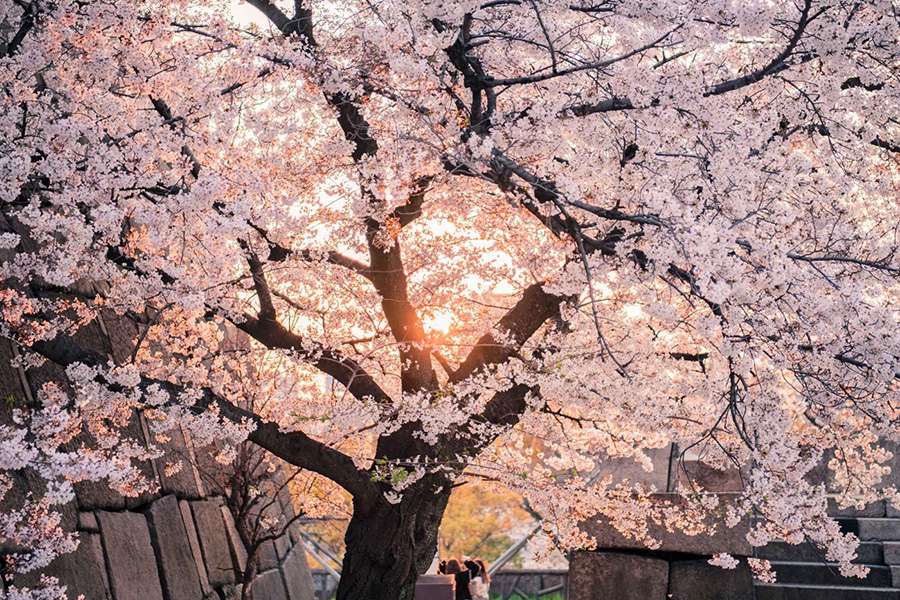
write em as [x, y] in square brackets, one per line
[732, 540]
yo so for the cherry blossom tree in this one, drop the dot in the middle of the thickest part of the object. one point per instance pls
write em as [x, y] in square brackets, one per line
[450, 230]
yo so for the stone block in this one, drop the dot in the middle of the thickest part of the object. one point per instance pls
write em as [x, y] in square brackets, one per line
[238, 551]
[622, 468]
[821, 474]
[266, 556]
[269, 585]
[26, 485]
[186, 482]
[690, 475]
[892, 553]
[434, 587]
[88, 522]
[297, 576]
[213, 541]
[891, 511]
[895, 576]
[868, 553]
[48, 372]
[879, 529]
[12, 392]
[228, 592]
[732, 540]
[294, 532]
[798, 573]
[874, 509]
[780, 591]
[187, 518]
[133, 573]
[82, 571]
[282, 546]
[97, 495]
[610, 576]
[121, 333]
[176, 561]
[699, 580]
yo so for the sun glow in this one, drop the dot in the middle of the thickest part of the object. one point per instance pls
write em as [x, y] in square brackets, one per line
[439, 321]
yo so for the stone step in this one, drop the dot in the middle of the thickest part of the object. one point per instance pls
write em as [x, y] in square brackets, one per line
[869, 553]
[872, 528]
[818, 573]
[875, 509]
[781, 591]
[891, 553]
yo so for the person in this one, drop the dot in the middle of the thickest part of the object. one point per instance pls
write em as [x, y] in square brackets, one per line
[480, 584]
[462, 577]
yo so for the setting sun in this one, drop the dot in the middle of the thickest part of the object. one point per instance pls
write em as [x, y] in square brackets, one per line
[439, 321]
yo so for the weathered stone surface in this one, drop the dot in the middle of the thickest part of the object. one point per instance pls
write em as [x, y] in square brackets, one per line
[821, 474]
[129, 555]
[94, 495]
[98, 495]
[12, 393]
[698, 580]
[297, 575]
[895, 576]
[187, 518]
[879, 529]
[892, 511]
[869, 553]
[88, 522]
[121, 333]
[434, 587]
[697, 475]
[138, 431]
[238, 551]
[828, 574]
[82, 571]
[269, 585]
[294, 532]
[610, 576]
[875, 509]
[266, 556]
[173, 550]
[186, 482]
[213, 541]
[732, 540]
[282, 546]
[892, 553]
[622, 468]
[780, 591]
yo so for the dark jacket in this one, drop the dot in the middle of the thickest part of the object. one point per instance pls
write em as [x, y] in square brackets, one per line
[462, 586]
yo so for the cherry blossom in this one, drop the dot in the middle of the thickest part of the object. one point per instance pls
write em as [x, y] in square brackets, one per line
[403, 244]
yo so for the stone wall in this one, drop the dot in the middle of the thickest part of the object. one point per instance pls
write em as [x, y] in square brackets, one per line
[623, 569]
[179, 543]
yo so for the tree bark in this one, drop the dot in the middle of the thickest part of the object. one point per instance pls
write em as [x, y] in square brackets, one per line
[389, 545]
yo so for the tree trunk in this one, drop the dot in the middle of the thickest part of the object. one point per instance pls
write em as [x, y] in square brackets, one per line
[389, 545]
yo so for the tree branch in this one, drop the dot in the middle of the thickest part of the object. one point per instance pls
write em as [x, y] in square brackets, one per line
[295, 447]
[343, 369]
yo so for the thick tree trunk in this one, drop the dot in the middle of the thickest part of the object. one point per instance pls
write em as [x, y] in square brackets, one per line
[389, 545]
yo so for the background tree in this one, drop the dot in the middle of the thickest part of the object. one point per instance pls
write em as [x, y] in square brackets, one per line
[608, 226]
[481, 521]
